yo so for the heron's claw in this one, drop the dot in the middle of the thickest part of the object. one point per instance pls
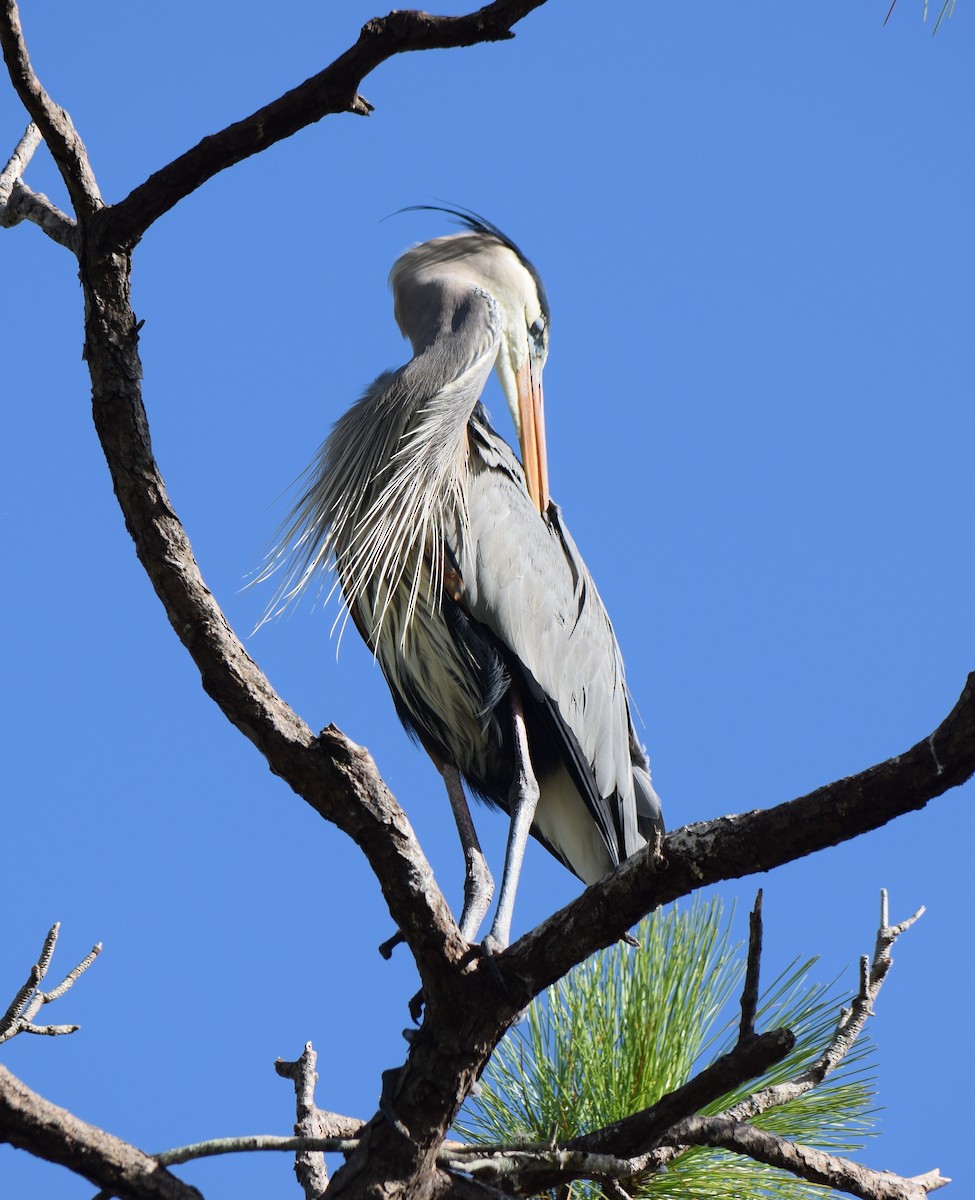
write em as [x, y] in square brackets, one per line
[493, 945]
[490, 947]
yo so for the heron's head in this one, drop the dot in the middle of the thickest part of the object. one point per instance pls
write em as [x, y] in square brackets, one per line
[432, 279]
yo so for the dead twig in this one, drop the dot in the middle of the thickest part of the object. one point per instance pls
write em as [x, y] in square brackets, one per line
[17, 162]
[849, 1025]
[19, 1017]
[310, 1167]
[749, 993]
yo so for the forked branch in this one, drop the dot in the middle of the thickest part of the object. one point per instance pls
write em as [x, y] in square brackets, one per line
[19, 1017]
[848, 1028]
[18, 203]
[729, 1129]
[310, 1167]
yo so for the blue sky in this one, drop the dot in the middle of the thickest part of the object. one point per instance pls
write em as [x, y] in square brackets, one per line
[753, 223]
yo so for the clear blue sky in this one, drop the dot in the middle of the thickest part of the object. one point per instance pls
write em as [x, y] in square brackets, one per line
[754, 225]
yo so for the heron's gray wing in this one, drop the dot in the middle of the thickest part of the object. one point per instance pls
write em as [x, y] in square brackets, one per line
[526, 581]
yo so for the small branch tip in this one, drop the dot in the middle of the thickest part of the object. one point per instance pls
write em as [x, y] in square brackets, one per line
[18, 162]
[19, 1017]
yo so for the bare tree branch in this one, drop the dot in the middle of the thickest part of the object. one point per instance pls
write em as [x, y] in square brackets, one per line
[528, 1169]
[54, 123]
[816, 1166]
[250, 1143]
[930, 1180]
[310, 1167]
[520, 1166]
[30, 1122]
[749, 993]
[18, 203]
[848, 1029]
[30, 999]
[17, 163]
[35, 207]
[526, 1172]
[333, 90]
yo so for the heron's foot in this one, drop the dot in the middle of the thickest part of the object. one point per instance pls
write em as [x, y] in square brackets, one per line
[493, 944]
[490, 948]
[478, 893]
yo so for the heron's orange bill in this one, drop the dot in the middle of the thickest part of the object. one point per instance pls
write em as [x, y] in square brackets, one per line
[532, 420]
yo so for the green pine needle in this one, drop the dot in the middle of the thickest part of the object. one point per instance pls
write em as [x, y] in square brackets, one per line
[632, 1023]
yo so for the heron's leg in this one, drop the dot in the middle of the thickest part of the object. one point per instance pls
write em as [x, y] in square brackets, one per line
[478, 884]
[522, 802]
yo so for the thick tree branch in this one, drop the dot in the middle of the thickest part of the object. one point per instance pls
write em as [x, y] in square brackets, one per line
[31, 1123]
[55, 124]
[451, 1185]
[333, 90]
[735, 846]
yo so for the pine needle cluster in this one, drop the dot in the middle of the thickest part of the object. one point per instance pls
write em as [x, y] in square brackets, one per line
[633, 1023]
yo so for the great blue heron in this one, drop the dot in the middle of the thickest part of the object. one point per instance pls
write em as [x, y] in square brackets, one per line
[462, 579]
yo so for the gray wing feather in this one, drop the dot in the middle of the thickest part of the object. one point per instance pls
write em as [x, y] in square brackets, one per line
[525, 579]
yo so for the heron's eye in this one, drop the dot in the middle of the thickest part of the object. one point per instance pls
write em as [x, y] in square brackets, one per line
[537, 330]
